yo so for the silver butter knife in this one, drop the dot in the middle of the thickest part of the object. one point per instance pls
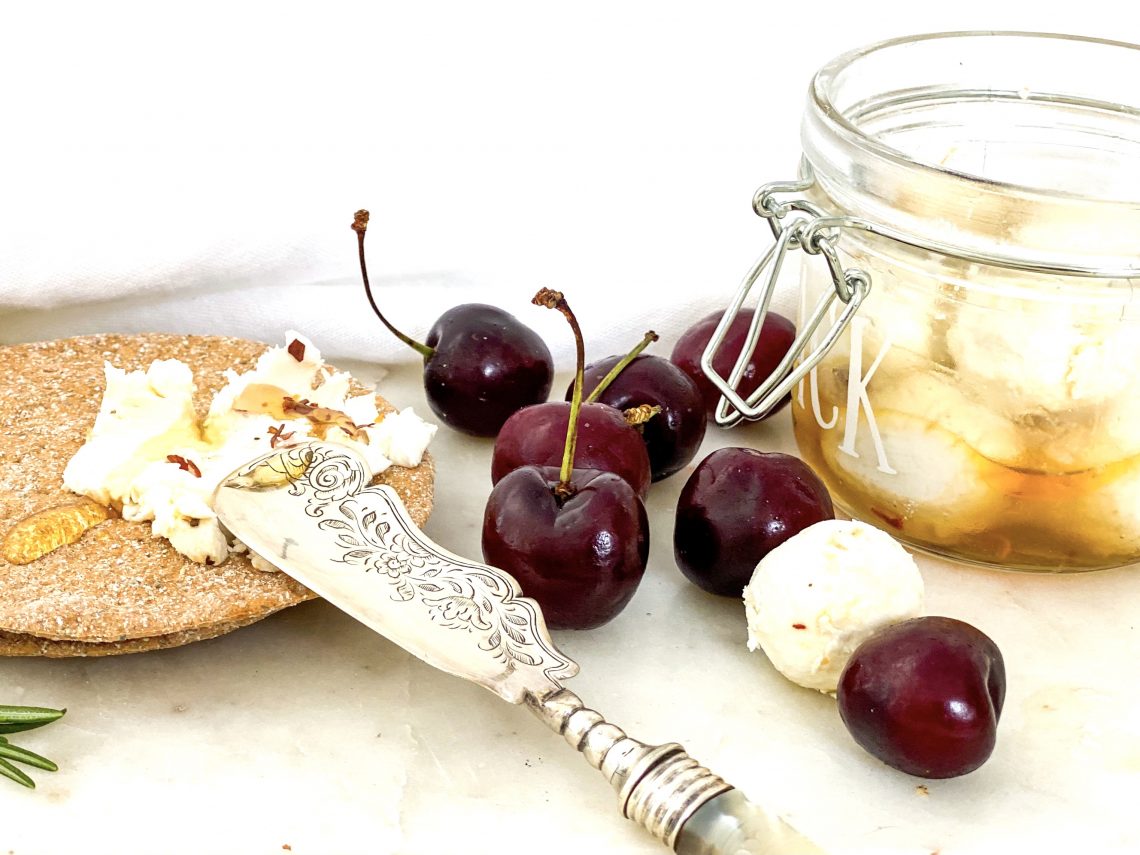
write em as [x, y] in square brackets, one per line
[310, 511]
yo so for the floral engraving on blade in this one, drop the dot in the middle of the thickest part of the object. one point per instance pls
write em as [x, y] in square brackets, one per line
[330, 477]
[468, 597]
[371, 531]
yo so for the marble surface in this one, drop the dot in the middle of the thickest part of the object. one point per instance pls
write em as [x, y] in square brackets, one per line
[308, 733]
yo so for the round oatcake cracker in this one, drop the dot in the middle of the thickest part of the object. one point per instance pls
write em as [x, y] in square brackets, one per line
[118, 589]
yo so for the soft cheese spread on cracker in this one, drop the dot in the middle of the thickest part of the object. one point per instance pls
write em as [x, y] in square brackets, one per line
[149, 455]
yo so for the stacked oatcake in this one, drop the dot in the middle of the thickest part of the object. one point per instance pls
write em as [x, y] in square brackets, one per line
[119, 589]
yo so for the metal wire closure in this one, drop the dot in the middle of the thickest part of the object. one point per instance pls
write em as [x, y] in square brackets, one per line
[799, 224]
[795, 224]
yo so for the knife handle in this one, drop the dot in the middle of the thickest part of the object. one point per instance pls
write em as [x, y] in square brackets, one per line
[729, 824]
[663, 789]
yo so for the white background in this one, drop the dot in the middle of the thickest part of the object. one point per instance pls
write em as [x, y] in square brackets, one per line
[209, 156]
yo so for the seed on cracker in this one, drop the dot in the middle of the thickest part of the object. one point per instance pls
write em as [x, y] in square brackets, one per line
[46, 531]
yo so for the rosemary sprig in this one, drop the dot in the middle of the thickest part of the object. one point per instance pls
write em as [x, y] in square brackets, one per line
[10, 771]
[8, 751]
[15, 720]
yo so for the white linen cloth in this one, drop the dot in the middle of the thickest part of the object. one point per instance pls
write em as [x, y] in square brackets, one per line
[126, 247]
[196, 169]
[335, 315]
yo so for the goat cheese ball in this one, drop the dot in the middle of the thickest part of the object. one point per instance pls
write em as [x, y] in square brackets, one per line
[814, 598]
[1050, 359]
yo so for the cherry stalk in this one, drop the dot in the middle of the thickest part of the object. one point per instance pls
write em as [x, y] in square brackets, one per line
[673, 436]
[555, 300]
[620, 365]
[480, 363]
[606, 439]
[360, 226]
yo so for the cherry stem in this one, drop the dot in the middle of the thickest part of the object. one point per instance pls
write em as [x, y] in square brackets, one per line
[360, 226]
[555, 300]
[650, 337]
[639, 415]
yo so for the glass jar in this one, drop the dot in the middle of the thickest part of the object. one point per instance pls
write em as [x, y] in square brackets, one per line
[983, 401]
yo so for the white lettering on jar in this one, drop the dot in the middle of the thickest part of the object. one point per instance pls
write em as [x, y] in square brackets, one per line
[857, 397]
[813, 376]
[816, 407]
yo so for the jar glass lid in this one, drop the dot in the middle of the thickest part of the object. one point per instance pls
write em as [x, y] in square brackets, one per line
[1021, 145]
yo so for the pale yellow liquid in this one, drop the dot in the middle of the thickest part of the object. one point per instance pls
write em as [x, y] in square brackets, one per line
[1026, 519]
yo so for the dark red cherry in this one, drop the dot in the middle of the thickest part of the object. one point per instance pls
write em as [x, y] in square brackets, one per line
[581, 557]
[484, 367]
[925, 696]
[480, 363]
[536, 435]
[577, 540]
[776, 337]
[674, 434]
[737, 506]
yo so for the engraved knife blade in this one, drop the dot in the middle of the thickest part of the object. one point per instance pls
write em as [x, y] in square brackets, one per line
[308, 510]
